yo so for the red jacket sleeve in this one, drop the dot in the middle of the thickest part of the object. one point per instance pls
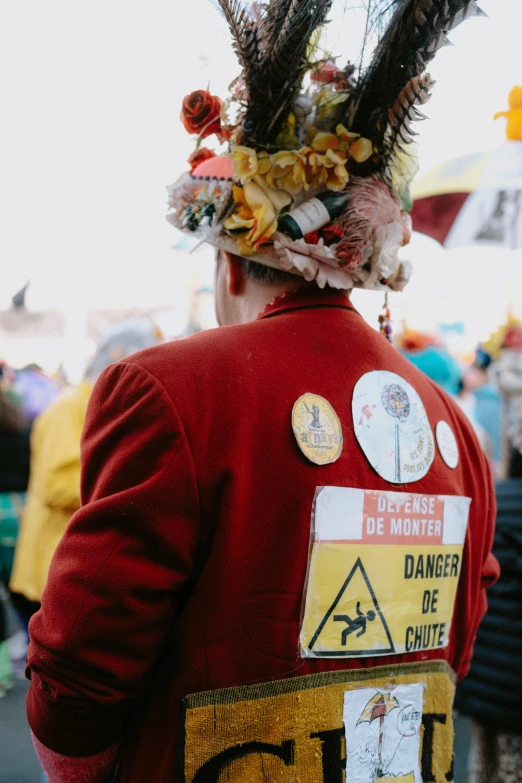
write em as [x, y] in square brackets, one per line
[111, 594]
[490, 569]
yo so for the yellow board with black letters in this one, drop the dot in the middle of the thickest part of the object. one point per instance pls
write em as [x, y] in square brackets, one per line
[292, 730]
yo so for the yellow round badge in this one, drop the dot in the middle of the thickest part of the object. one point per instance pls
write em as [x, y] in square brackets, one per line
[317, 429]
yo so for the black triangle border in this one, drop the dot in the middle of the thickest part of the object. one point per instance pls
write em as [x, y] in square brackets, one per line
[352, 653]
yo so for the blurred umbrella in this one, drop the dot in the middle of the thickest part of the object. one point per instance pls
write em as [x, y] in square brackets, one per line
[440, 195]
[476, 199]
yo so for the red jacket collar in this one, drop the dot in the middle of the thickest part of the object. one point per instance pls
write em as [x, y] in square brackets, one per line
[303, 298]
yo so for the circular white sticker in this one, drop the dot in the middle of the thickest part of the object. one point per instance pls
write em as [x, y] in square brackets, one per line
[447, 443]
[392, 427]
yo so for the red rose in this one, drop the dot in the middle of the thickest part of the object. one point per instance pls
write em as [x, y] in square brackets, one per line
[332, 232]
[199, 156]
[312, 238]
[201, 113]
[330, 73]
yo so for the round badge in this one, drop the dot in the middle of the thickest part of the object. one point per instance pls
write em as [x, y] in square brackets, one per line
[317, 429]
[447, 443]
[392, 427]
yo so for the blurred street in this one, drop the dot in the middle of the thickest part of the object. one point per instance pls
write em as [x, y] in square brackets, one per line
[19, 763]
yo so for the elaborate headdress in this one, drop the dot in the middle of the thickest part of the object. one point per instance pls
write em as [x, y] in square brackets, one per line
[314, 179]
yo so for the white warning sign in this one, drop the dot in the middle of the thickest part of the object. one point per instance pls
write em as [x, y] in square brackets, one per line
[383, 572]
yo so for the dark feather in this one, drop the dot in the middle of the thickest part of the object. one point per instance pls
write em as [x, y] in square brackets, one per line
[271, 24]
[244, 33]
[402, 114]
[404, 111]
[416, 31]
[290, 26]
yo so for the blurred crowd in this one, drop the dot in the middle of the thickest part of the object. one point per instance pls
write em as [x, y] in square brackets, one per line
[41, 421]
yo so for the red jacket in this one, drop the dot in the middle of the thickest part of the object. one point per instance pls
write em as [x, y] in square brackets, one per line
[184, 570]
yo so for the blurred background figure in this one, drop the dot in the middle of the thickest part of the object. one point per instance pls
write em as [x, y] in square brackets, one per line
[201, 312]
[14, 475]
[509, 376]
[428, 355]
[35, 390]
[491, 694]
[54, 488]
[468, 404]
[488, 403]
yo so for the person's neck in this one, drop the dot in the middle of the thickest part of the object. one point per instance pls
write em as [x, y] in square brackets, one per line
[257, 297]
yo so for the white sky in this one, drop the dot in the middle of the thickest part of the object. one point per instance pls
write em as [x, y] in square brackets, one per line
[90, 133]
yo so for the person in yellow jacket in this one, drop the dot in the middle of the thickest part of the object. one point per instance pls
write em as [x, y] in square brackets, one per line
[54, 484]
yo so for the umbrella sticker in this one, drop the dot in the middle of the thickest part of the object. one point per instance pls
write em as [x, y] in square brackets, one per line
[377, 709]
[397, 405]
[392, 427]
[383, 733]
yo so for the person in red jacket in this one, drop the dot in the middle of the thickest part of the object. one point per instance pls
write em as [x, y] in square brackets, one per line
[280, 562]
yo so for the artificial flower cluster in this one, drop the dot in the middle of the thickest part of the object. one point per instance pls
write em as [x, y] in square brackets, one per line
[321, 166]
[271, 182]
[194, 208]
[246, 191]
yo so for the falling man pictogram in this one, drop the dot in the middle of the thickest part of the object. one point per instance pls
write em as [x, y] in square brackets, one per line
[359, 624]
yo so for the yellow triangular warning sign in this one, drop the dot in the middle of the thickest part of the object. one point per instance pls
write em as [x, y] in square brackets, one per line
[354, 624]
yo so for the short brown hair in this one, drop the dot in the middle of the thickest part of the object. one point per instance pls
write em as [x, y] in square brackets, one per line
[266, 274]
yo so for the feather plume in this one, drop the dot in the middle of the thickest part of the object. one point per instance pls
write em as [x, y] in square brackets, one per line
[404, 111]
[271, 23]
[415, 32]
[244, 33]
[273, 54]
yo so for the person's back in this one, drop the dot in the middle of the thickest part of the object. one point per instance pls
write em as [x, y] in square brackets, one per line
[277, 571]
[226, 525]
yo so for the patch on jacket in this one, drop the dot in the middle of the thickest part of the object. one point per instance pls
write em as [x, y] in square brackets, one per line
[392, 427]
[317, 429]
[383, 572]
[291, 730]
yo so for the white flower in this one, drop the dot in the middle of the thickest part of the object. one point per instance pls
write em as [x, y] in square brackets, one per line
[402, 278]
[385, 262]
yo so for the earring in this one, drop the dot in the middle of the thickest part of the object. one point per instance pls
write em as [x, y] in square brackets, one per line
[385, 326]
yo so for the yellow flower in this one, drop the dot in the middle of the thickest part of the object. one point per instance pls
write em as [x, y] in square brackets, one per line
[346, 135]
[247, 163]
[331, 152]
[289, 169]
[254, 215]
[327, 171]
[287, 135]
[328, 162]
[279, 198]
[327, 103]
[326, 141]
[360, 150]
